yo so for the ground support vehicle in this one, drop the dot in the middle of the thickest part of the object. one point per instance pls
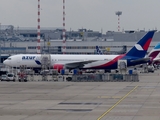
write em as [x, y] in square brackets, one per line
[22, 77]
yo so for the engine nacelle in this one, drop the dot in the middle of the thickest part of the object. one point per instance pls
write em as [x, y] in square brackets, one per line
[58, 67]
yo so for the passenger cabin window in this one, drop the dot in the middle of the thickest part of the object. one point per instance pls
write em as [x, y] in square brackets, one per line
[9, 58]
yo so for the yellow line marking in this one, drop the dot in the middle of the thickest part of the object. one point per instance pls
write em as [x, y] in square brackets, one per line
[105, 113]
[113, 97]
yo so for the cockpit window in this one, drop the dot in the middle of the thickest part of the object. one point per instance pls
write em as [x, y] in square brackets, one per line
[9, 58]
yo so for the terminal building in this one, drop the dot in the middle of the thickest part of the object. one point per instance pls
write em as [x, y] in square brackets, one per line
[23, 40]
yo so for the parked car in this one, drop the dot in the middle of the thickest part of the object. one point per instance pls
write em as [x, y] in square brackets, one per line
[11, 77]
[3, 77]
[46, 72]
[151, 68]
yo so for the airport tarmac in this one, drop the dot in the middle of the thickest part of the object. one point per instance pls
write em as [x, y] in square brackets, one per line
[82, 100]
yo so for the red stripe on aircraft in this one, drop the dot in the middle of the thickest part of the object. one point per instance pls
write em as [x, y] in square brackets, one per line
[111, 62]
[146, 45]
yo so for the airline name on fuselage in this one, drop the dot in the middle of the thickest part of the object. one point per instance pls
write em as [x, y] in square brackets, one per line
[28, 57]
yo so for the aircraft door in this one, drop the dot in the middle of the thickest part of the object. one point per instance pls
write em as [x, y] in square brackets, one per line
[17, 62]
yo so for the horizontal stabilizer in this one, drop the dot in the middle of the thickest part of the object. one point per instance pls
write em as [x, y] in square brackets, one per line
[141, 60]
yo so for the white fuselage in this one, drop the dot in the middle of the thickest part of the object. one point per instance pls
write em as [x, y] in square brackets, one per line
[29, 60]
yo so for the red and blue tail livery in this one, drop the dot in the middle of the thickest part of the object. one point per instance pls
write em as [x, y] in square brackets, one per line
[140, 49]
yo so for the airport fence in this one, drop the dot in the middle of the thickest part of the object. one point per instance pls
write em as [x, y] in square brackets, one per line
[85, 78]
[106, 78]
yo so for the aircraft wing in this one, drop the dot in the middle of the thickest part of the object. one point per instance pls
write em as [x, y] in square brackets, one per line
[141, 60]
[78, 64]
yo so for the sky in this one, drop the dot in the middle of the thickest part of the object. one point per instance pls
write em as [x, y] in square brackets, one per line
[97, 15]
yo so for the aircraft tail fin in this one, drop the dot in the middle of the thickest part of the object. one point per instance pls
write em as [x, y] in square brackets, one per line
[154, 52]
[140, 49]
[98, 50]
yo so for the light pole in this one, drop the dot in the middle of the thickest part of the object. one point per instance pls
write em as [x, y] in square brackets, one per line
[118, 13]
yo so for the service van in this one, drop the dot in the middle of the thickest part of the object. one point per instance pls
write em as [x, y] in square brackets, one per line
[11, 77]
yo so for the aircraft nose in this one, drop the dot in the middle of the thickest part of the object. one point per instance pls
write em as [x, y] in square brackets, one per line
[5, 62]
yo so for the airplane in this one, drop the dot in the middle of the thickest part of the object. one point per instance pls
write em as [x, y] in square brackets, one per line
[63, 61]
[154, 54]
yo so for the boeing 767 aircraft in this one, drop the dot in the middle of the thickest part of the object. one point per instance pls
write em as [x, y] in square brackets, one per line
[63, 61]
